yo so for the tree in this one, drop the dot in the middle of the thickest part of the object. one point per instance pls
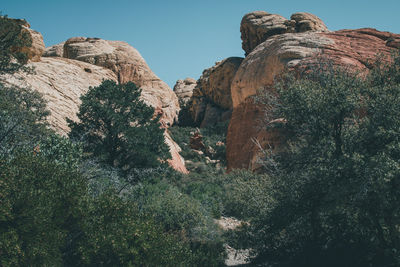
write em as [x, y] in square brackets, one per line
[22, 111]
[119, 129]
[333, 194]
[12, 38]
[23, 116]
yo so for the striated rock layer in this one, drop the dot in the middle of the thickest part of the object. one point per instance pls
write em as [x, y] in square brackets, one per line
[62, 81]
[283, 51]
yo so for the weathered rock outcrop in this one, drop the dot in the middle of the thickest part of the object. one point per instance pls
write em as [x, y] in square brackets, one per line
[258, 26]
[32, 44]
[211, 101]
[184, 89]
[62, 81]
[54, 50]
[69, 69]
[127, 63]
[36, 49]
[356, 49]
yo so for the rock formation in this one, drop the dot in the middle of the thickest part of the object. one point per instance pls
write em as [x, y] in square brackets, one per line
[54, 50]
[69, 69]
[211, 101]
[19, 30]
[275, 52]
[127, 63]
[184, 89]
[62, 81]
[258, 26]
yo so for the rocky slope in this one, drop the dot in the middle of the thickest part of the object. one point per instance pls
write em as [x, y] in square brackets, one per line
[273, 48]
[69, 68]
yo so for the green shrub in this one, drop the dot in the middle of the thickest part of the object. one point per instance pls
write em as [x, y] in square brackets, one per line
[332, 197]
[23, 116]
[118, 128]
[41, 201]
[115, 234]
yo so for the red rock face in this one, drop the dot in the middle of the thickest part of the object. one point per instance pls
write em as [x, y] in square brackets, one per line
[357, 49]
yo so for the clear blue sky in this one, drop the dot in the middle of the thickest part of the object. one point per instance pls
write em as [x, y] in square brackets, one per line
[180, 38]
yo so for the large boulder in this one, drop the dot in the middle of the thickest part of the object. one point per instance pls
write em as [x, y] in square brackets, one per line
[211, 101]
[356, 49]
[127, 63]
[258, 26]
[184, 89]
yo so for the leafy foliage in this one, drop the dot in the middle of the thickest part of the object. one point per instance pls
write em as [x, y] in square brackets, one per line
[12, 38]
[113, 234]
[118, 128]
[22, 117]
[333, 199]
[40, 202]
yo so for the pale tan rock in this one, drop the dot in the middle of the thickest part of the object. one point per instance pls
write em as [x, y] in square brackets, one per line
[62, 81]
[37, 47]
[127, 63]
[184, 89]
[56, 50]
[177, 161]
[69, 69]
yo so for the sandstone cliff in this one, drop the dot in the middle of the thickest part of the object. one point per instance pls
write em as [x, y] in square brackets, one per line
[127, 63]
[70, 68]
[275, 47]
[210, 101]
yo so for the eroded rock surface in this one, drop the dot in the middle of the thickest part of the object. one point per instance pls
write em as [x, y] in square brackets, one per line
[31, 41]
[56, 50]
[258, 26]
[184, 89]
[299, 49]
[211, 101]
[69, 69]
[128, 65]
[62, 81]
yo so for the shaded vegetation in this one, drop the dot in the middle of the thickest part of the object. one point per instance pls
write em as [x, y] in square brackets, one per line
[332, 196]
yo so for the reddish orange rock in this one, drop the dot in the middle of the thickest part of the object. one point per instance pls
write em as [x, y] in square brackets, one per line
[357, 49]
